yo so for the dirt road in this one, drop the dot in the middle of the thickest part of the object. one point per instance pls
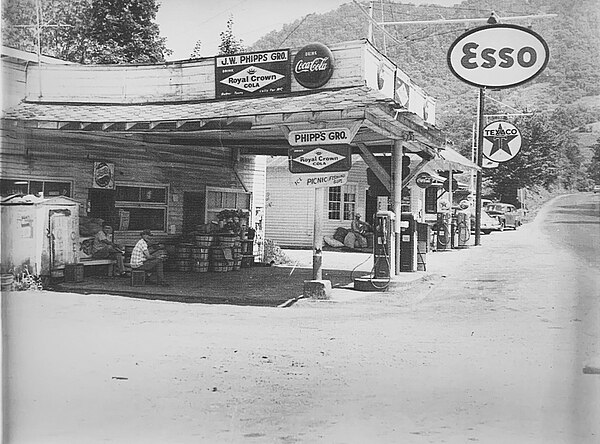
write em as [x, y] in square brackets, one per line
[489, 348]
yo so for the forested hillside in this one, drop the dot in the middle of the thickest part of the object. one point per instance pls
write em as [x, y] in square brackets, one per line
[565, 98]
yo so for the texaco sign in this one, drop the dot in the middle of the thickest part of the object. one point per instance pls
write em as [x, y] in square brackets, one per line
[501, 141]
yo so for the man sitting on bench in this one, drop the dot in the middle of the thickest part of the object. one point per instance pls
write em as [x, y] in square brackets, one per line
[141, 259]
[104, 248]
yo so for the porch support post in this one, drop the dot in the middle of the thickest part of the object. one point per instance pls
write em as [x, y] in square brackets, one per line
[397, 153]
[318, 235]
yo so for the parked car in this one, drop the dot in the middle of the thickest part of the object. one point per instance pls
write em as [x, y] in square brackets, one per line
[488, 223]
[507, 214]
[596, 189]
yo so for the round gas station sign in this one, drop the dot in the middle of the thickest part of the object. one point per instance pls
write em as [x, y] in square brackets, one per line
[501, 141]
[498, 56]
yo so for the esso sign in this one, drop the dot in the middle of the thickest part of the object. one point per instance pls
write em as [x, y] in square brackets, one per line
[498, 56]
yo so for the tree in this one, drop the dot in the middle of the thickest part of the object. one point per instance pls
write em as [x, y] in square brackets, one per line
[229, 44]
[82, 31]
[536, 164]
[124, 31]
[593, 169]
[196, 51]
[62, 27]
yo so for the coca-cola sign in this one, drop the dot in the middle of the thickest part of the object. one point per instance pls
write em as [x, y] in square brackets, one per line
[313, 65]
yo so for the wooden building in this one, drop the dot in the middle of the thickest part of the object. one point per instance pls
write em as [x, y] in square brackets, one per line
[169, 146]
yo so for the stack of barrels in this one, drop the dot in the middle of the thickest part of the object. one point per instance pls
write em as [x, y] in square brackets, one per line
[183, 257]
[220, 253]
[200, 252]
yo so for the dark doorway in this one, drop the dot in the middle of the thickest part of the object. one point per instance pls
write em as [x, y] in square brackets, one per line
[102, 205]
[193, 210]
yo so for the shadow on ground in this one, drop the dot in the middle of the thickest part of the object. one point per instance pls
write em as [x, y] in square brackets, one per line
[258, 286]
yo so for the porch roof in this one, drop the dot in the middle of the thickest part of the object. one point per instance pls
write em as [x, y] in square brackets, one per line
[255, 125]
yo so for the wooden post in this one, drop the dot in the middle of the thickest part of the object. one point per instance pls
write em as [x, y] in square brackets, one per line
[397, 153]
[318, 235]
[479, 163]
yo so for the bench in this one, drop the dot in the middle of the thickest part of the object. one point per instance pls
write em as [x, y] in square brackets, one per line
[86, 259]
[110, 263]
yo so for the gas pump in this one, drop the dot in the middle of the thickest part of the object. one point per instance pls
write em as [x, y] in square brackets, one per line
[383, 245]
[463, 231]
[408, 242]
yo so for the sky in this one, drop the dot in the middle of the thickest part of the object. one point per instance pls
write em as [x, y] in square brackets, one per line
[184, 22]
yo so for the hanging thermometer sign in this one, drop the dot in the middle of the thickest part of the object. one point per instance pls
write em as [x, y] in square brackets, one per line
[498, 56]
[501, 141]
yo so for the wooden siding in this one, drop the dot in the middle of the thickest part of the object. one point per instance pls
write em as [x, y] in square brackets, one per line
[290, 212]
[14, 83]
[32, 155]
[173, 81]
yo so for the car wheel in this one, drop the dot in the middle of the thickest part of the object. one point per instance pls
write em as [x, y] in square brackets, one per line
[502, 225]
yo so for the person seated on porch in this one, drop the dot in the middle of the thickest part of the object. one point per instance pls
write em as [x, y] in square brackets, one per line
[142, 259]
[357, 236]
[103, 247]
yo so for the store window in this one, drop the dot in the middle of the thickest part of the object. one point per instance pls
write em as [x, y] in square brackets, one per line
[142, 207]
[342, 202]
[219, 199]
[38, 187]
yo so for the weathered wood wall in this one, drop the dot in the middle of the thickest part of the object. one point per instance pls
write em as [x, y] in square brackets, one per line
[173, 81]
[36, 155]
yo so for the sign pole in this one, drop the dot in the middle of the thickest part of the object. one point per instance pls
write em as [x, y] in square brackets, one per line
[318, 235]
[479, 163]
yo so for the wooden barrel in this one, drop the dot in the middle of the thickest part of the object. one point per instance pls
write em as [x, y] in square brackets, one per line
[183, 251]
[183, 264]
[217, 254]
[227, 241]
[7, 281]
[219, 266]
[204, 240]
[200, 253]
[200, 267]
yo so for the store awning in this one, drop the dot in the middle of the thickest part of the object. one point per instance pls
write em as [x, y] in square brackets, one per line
[448, 158]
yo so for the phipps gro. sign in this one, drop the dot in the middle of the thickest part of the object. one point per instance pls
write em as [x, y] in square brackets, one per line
[498, 56]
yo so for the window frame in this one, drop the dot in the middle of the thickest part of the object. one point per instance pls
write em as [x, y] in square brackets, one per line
[44, 180]
[211, 212]
[345, 213]
[141, 204]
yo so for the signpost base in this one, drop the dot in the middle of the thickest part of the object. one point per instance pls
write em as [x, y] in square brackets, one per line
[317, 289]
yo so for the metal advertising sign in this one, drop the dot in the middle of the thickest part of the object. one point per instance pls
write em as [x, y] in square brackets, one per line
[333, 136]
[320, 180]
[313, 65]
[104, 175]
[335, 158]
[498, 56]
[253, 74]
[501, 141]
[423, 180]
[446, 185]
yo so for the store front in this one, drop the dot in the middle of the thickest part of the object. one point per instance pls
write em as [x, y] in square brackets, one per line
[171, 147]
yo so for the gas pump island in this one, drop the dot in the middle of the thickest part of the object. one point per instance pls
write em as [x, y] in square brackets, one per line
[319, 167]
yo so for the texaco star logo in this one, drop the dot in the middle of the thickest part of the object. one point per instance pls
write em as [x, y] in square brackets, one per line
[501, 141]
